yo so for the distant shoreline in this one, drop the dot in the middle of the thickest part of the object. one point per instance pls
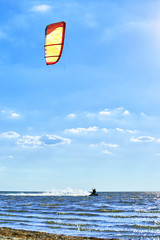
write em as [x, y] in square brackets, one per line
[17, 234]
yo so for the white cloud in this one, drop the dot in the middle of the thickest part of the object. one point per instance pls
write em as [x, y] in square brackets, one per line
[116, 112]
[126, 130]
[29, 141]
[44, 140]
[53, 140]
[131, 131]
[106, 152]
[103, 144]
[35, 141]
[119, 115]
[15, 115]
[71, 116]
[101, 147]
[142, 139]
[157, 140]
[126, 112]
[119, 129]
[105, 112]
[109, 145]
[41, 8]
[10, 114]
[95, 129]
[105, 130]
[82, 130]
[9, 134]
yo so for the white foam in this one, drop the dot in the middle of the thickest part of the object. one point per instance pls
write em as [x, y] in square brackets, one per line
[66, 192]
[69, 192]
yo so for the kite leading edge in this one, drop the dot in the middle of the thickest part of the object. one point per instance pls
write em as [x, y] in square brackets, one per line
[54, 41]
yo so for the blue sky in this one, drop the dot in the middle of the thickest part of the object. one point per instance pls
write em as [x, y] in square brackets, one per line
[92, 119]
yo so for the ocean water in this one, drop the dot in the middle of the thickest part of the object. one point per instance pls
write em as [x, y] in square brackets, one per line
[122, 215]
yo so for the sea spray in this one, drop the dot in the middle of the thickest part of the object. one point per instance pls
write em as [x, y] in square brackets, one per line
[66, 192]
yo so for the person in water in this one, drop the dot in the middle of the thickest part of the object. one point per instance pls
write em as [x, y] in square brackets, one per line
[94, 191]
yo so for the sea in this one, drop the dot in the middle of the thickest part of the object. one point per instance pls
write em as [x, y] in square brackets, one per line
[122, 215]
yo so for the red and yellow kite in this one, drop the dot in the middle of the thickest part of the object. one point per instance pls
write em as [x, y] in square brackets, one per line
[54, 40]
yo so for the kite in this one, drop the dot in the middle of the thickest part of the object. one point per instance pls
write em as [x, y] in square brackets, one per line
[54, 41]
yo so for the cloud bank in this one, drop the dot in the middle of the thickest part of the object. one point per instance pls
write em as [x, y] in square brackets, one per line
[35, 141]
[44, 140]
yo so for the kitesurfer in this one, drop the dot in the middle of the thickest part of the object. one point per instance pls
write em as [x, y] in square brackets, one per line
[94, 193]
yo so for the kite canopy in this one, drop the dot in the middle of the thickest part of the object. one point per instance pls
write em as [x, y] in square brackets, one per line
[54, 40]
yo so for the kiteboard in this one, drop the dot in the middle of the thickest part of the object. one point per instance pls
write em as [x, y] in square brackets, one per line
[96, 194]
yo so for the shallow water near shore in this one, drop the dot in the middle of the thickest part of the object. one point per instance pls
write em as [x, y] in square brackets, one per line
[123, 215]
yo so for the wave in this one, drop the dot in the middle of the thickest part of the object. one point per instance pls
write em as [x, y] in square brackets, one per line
[145, 226]
[110, 210]
[66, 192]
